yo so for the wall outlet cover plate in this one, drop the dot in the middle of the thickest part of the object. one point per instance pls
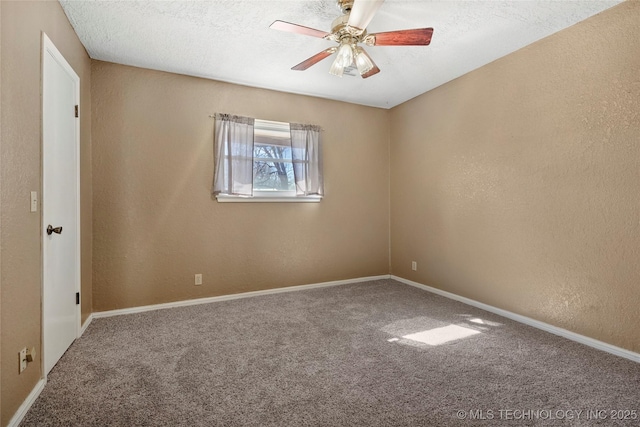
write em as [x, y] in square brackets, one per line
[23, 360]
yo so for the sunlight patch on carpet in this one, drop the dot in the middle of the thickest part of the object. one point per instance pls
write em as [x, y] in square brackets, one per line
[442, 335]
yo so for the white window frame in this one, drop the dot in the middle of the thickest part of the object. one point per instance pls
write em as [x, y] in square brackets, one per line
[269, 196]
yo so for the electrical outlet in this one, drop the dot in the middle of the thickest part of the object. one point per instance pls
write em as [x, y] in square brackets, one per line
[198, 279]
[22, 358]
[414, 265]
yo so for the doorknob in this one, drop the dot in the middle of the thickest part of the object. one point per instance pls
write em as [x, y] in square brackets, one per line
[50, 230]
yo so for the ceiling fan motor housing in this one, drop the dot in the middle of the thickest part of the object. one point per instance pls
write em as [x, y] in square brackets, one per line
[340, 30]
[339, 23]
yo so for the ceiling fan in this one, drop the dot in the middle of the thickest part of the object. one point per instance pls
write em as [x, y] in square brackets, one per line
[348, 31]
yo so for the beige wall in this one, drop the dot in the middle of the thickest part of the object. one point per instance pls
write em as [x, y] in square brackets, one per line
[22, 24]
[518, 185]
[156, 225]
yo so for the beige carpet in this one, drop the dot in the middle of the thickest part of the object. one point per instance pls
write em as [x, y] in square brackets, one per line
[370, 354]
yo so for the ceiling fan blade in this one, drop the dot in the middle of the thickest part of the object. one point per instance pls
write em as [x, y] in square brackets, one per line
[417, 37]
[371, 72]
[362, 12]
[298, 29]
[314, 59]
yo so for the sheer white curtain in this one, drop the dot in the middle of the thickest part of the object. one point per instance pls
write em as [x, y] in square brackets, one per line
[306, 153]
[233, 151]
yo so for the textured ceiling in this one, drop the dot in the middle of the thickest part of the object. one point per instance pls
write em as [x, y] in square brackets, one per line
[230, 40]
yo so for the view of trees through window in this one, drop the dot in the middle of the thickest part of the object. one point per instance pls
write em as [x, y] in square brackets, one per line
[272, 168]
[272, 164]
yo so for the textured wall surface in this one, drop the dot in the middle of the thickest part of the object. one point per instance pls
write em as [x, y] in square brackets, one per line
[22, 24]
[156, 224]
[518, 184]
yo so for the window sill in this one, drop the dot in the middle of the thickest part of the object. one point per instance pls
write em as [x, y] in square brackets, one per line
[223, 198]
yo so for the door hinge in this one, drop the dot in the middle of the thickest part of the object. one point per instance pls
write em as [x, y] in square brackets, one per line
[77, 298]
[76, 111]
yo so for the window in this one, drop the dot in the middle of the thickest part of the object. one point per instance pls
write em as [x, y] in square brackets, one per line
[262, 160]
[272, 163]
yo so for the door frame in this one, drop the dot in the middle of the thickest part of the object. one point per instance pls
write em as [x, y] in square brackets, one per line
[49, 48]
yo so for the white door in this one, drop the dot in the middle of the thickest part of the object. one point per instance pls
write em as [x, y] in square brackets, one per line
[60, 204]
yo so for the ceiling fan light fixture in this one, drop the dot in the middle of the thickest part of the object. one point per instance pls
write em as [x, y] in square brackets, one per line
[363, 62]
[336, 68]
[345, 54]
[344, 58]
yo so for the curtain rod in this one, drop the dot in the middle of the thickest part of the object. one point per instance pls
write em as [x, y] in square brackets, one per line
[213, 116]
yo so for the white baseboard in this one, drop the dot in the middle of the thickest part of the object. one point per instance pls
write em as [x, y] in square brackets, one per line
[118, 312]
[24, 408]
[86, 324]
[618, 351]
